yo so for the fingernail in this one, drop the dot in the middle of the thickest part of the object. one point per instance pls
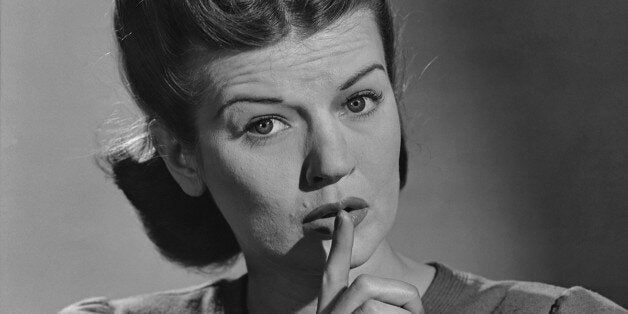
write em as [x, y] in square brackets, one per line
[338, 221]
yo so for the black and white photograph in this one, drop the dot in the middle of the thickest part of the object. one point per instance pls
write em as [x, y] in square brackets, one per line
[313, 156]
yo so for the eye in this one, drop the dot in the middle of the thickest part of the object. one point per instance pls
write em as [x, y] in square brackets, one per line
[358, 103]
[266, 126]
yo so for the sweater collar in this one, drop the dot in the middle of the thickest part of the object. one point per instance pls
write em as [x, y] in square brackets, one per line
[446, 288]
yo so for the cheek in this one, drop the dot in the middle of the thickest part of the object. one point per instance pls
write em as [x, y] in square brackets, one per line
[379, 156]
[379, 163]
[257, 194]
[380, 166]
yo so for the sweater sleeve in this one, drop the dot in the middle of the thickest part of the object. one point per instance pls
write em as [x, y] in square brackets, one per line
[98, 305]
[581, 300]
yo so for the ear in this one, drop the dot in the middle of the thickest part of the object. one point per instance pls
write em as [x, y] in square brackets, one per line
[180, 160]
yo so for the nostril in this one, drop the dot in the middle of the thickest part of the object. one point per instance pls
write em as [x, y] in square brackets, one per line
[319, 180]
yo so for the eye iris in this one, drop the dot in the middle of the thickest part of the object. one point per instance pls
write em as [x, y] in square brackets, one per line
[357, 105]
[264, 126]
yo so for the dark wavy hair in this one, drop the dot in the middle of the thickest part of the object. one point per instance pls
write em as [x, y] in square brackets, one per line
[161, 43]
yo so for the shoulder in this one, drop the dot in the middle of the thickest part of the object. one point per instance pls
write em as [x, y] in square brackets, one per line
[216, 297]
[583, 300]
[510, 296]
[190, 300]
[527, 297]
[534, 297]
[462, 292]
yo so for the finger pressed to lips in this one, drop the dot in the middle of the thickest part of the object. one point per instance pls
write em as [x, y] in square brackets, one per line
[336, 276]
[367, 293]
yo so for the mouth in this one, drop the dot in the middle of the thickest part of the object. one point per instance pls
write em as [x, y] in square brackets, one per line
[329, 210]
[321, 219]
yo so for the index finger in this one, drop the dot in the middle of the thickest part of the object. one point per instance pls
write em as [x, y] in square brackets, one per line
[336, 275]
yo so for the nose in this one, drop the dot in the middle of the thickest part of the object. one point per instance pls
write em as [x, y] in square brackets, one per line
[329, 158]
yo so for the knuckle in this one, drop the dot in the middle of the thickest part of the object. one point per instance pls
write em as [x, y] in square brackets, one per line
[327, 278]
[413, 292]
[371, 306]
[330, 276]
[363, 283]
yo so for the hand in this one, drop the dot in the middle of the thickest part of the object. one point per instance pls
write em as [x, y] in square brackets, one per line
[367, 294]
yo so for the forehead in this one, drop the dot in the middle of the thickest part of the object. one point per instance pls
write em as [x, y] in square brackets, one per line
[344, 46]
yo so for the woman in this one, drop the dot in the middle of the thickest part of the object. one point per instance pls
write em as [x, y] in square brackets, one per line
[272, 129]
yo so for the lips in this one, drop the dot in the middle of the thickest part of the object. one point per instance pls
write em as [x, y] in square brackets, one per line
[329, 210]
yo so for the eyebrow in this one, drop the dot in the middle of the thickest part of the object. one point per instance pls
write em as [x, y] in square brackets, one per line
[272, 100]
[360, 74]
[258, 100]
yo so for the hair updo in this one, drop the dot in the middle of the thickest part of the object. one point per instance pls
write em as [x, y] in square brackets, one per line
[160, 45]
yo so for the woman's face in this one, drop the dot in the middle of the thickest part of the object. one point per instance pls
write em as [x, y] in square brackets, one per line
[297, 125]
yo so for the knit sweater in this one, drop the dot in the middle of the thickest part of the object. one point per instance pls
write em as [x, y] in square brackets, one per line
[451, 291]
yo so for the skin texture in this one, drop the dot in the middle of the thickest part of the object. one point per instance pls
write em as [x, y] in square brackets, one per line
[318, 150]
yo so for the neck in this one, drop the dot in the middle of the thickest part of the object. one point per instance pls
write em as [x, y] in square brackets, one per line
[273, 290]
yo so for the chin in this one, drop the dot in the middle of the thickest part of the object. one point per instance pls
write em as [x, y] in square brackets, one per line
[365, 244]
[362, 253]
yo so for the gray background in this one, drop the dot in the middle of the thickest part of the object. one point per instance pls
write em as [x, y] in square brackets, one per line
[518, 136]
